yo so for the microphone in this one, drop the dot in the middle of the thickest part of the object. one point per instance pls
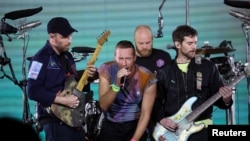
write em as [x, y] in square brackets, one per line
[29, 25]
[122, 82]
[239, 15]
[160, 24]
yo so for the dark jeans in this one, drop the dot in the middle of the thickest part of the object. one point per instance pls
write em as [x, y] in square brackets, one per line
[58, 131]
[112, 131]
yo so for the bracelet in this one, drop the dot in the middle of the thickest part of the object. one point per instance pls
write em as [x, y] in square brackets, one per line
[132, 140]
[115, 88]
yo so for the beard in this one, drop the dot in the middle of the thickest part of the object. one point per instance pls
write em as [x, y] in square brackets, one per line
[144, 52]
[189, 55]
[62, 49]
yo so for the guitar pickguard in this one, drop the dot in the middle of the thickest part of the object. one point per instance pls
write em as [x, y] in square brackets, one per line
[185, 128]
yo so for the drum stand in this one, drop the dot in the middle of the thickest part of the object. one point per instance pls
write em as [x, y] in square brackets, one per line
[231, 111]
[228, 78]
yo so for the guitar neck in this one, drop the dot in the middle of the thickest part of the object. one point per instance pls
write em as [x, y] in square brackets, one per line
[83, 80]
[194, 114]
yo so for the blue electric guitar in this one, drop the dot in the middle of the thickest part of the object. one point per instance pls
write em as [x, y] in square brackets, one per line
[185, 116]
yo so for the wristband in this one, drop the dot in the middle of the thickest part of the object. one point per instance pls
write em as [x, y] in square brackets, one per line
[115, 88]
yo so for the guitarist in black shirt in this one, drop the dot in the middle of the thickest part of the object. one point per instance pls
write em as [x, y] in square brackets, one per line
[185, 85]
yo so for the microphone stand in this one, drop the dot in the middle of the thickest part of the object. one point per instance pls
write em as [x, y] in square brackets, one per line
[245, 26]
[27, 117]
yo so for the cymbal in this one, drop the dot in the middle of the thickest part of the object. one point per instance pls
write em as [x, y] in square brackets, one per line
[83, 49]
[210, 50]
[238, 3]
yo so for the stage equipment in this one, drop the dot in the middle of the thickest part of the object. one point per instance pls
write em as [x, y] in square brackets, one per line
[207, 50]
[240, 15]
[81, 52]
[226, 67]
[83, 49]
[160, 22]
[222, 64]
[22, 13]
[244, 26]
[29, 25]
[94, 117]
[7, 29]
[238, 3]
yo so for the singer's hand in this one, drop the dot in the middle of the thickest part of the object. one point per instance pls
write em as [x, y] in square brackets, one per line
[124, 72]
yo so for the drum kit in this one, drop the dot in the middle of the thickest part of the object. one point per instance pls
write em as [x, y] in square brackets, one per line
[226, 65]
[228, 68]
[81, 52]
[20, 32]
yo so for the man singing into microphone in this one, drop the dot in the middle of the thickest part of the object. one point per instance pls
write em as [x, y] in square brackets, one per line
[128, 108]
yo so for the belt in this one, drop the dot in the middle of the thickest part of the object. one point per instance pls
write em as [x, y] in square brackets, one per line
[206, 122]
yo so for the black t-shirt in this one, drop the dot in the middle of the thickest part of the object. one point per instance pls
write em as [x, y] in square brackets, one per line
[158, 59]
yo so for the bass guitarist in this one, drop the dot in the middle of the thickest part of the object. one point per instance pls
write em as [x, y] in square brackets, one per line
[188, 76]
[48, 72]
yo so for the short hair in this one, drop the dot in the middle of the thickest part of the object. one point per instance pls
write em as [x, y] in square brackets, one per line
[125, 44]
[183, 31]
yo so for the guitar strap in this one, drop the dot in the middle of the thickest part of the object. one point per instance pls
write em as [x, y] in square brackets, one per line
[198, 68]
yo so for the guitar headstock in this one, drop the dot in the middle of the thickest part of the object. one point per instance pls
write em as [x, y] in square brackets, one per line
[103, 37]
